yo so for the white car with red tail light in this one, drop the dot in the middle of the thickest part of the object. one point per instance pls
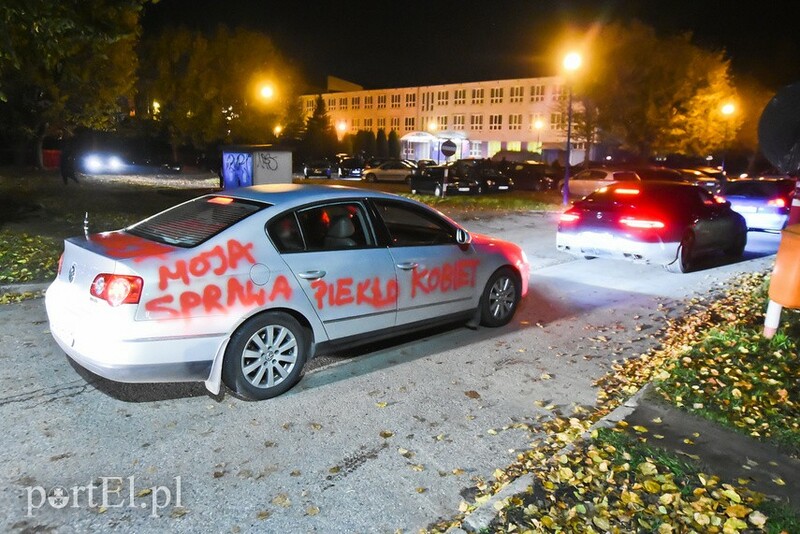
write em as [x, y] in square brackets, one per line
[667, 223]
[243, 287]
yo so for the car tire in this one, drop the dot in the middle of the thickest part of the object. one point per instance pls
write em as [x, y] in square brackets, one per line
[371, 178]
[407, 180]
[413, 191]
[737, 249]
[341, 174]
[265, 356]
[500, 298]
[683, 261]
[437, 191]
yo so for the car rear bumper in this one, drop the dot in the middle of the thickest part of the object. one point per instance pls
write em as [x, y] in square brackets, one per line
[771, 222]
[608, 245]
[123, 351]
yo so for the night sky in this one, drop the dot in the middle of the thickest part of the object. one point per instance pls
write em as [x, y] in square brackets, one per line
[407, 43]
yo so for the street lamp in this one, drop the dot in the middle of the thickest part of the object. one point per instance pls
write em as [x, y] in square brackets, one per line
[267, 92]
[277, 130]
[727, 111]
[572, 62]
[538, 125]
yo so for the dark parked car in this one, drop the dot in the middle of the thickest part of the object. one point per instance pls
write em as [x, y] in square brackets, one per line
[432, 180]
[317, 168]
[763, 202]
[351, 167]
[532, 176]
[485, 172]
[667, 223]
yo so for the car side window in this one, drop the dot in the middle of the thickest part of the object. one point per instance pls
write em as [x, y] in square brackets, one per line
[336, 226]
[284, 232]
[583, 175]
[410, 227]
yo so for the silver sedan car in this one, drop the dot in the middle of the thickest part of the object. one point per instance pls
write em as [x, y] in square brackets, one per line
[244, 286]
[589, 180]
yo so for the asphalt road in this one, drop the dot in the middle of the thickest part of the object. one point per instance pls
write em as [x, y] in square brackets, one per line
[393, 436]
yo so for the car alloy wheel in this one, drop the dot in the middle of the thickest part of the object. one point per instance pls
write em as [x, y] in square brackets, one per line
[265, 356]
[683, 260]
[500, 298]
[438, 191]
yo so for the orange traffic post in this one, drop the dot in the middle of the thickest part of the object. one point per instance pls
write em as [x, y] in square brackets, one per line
[784, 286]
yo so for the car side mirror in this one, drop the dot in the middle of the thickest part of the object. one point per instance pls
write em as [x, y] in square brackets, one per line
[463, 237]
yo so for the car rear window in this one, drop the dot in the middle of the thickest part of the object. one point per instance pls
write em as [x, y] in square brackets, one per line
[190, 224]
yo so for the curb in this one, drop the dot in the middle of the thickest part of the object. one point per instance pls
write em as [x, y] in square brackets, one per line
[480, 518]
[24, 288]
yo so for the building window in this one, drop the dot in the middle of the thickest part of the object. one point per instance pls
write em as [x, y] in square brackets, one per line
[395, 101]
[409, 124]
[310, 104]
[558, 93]
[476, 122]
[442, 97]
[458, 122]
[411, 100]
[355, 102]
[477, 96]
[516, 146]
[516, 93]
[331, 104]
[441, 122]
[395, 123]
[381, 123]
[343, 103]
[475, 149]
[368, 124]
[495, 122]
[492, 148]
[459, 96]
[515, 121]
[537, 93]
[381, 101]
[354, 126]
[367, 102]
[496, 95]
[557, 121]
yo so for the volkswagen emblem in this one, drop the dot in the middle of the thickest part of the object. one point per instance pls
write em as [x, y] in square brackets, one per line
[72, 273]
[599, 215]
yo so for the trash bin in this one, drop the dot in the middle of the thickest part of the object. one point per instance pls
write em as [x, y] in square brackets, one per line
[784, 287]
[51, 158]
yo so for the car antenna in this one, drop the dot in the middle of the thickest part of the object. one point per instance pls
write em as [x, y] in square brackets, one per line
[86, 225]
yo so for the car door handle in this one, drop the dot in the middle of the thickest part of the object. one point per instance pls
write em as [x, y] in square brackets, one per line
[312, 275]
[408, 266]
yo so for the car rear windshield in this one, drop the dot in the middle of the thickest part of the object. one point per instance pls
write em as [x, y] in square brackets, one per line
[190, 224]
[759, 189]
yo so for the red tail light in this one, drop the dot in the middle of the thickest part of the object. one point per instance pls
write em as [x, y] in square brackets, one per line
[60, 263]
[117, 289]
[777, 203]
[634, 222]
[626, 191]
[569, 217]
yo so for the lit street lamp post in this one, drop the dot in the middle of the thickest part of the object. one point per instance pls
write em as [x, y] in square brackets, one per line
[572, 62]
[727, 111]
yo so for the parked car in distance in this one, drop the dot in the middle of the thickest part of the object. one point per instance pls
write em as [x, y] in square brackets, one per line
[394, 170]
[432, 180]
[485, 172]
[350, 167]
[763, 202]
[589, 180]
[244, 287]
[667, 223]
[532, 176]
[317, 168]
[423, 163]
[710, 181]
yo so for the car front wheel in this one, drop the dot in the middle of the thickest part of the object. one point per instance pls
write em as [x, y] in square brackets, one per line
[438, 191]
[265, 356]
[500, 298]
[371, 178]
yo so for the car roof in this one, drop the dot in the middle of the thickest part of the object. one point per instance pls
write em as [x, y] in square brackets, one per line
[294, 194]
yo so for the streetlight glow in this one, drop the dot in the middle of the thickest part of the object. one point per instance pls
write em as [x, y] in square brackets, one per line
[572, 61]
[432, 126]
[277, 130]
[267, 92]
[728, 109]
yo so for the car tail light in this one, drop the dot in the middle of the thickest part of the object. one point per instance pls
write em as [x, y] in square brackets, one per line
[634, 222]
[117, 289]
[569, 217]
[60, 263]
[777, 203]
[719, 199]
[626, 191]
